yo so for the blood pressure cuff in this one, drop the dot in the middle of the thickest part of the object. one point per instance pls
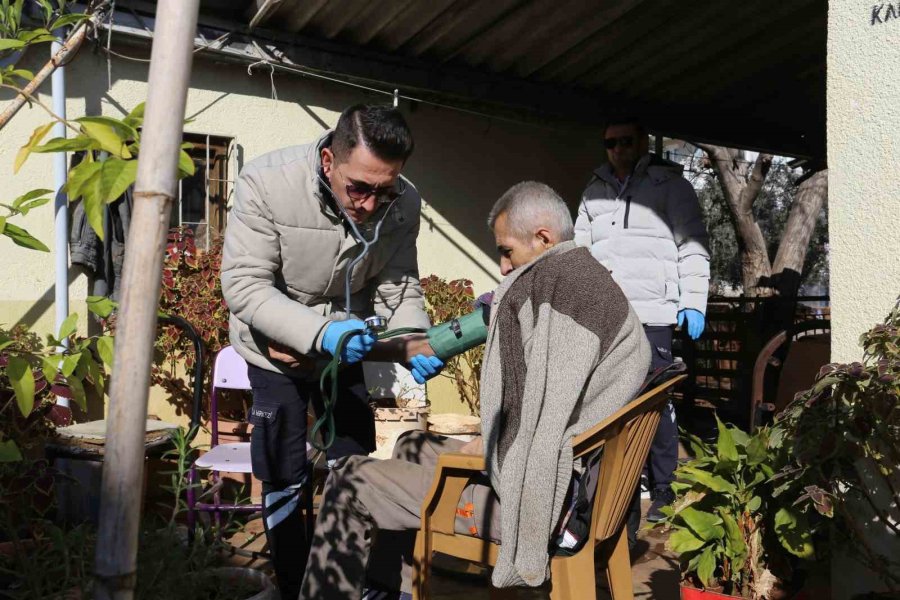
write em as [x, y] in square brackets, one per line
[458, 335]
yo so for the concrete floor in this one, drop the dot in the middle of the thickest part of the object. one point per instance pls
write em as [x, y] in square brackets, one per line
[654, 570]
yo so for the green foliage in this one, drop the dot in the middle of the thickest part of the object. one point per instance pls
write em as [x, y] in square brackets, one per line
[21, 206]
[109, 167]
[50, 16]
[846, 448]
[50, 563]
[444, 301]
[726, 527]
[109, 146]
[771, 209]
[31, 373]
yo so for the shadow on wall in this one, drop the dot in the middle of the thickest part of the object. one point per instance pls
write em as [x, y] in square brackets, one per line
[461, 165]
[462, 162]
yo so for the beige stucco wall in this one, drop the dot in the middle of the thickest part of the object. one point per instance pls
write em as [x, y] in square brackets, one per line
[461, 165]
[864, 181]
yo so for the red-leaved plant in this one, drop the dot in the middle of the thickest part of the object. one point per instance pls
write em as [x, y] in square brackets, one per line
[192, 290]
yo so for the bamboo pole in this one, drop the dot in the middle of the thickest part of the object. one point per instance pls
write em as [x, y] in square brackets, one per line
[69, 47]
[155, 190]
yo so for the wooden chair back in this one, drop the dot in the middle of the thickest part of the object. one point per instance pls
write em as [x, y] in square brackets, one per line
[625, 438]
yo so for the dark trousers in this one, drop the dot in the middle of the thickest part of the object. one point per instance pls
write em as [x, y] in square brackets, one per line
[278, 453]
[663, 456]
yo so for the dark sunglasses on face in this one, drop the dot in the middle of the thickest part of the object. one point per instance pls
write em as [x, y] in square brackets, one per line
[383, 195]
[626, 141]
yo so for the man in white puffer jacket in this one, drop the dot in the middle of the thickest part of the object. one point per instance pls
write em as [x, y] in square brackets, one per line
[642, 221]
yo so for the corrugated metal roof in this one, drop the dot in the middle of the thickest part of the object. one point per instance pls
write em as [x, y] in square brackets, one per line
[745, 73]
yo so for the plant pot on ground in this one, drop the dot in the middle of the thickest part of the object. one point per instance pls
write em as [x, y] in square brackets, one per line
[731, 535]
[689, 592]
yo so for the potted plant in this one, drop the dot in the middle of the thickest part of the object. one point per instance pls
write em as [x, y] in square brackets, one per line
[445, 300]
[56, 562]
[732, 537]
[199, 562]
[29, 413]
[844, 465]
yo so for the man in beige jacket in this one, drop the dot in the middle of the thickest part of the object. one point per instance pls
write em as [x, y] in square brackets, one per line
[289, 269]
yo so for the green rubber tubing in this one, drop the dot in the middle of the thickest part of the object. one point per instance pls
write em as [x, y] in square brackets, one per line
[447, 340]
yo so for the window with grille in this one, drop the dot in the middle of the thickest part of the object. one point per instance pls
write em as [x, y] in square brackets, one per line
[203, 197]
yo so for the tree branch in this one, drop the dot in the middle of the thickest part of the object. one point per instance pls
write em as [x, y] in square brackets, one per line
[755, 181]
[70, 46]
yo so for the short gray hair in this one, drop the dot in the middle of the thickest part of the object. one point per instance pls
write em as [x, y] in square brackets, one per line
[530, 204]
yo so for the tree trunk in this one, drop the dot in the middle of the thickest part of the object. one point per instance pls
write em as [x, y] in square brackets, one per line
[741, 181]
[801, 223]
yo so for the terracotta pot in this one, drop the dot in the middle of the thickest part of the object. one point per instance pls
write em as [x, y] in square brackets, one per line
[692, 593]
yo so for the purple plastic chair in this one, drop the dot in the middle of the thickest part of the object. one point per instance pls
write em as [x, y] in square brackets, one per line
[229, 372]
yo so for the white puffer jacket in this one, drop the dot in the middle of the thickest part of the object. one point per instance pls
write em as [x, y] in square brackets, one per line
[650, 236]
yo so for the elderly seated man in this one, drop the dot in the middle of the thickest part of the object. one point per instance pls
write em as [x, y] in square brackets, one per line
[564, 351]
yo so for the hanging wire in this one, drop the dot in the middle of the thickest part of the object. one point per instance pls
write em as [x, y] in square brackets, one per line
[265, 59]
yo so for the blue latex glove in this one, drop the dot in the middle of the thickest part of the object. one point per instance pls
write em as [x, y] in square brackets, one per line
[424, 367]
[696, 322]
[355, 348]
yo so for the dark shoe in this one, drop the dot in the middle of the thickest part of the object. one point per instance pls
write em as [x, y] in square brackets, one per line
[662, 496]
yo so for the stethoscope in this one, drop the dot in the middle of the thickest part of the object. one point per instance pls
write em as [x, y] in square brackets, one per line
[366, 243]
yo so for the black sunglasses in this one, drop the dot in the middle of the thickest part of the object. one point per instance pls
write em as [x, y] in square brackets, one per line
[626, 141]
[383, 195]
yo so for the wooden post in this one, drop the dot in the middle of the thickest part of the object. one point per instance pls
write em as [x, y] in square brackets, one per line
[155, 190]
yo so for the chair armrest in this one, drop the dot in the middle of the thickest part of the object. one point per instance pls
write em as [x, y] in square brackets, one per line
[458, 460]
[452, 474]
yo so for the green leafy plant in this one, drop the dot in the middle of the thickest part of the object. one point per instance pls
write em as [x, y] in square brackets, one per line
[15, 36]
[445, 300]
[32, 374]
[31, 371]
[168, 567]
[110, 148]
[51, 561]
[21, 206]
[845, 462]
[728, 530]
